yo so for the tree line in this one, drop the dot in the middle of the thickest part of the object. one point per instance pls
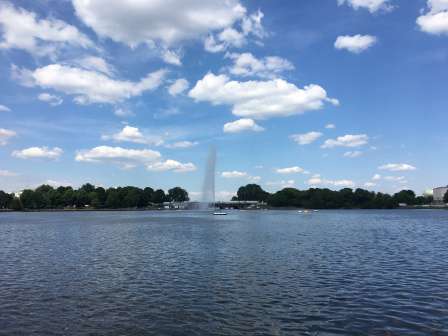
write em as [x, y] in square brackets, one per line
[317, 198]
[47, 197]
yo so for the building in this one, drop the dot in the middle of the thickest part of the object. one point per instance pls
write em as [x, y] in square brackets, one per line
[439, 193]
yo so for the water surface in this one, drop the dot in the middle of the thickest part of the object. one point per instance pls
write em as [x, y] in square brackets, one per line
[370, 272]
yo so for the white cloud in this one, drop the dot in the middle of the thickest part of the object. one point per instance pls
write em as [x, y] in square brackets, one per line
[283, 184]
[291, 170]
[58, 183]
[168, 22]
[258, 167]
[393, 178]
[164, 25]
[376, 177]
[247, 65]
[39, 153]
[230, 37]
[241, 125]
[4, 108]
[22, 30]
[5, 135]
[353, 154]
[254, 179]
[330, 126]
[372, 5]
[93, 86]
[225, 194]
[177, 167]
[397, 167]
[304, 139]
[370, 184]
[348, 140]
[52, 99]
[117, 155]
[178, 87]
[355, 44]
[316, 180]
[122, 113]
[436, 20]
[8, 173]
[260, 100]
[233, 174]
[131, 134]
[96, 64]
[182, 144]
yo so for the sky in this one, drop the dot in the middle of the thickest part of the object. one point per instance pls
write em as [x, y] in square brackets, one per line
[303, 94]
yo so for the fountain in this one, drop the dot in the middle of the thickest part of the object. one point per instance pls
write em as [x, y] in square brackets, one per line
[208, 189]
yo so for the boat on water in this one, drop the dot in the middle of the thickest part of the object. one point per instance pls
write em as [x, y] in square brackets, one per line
[219, 213]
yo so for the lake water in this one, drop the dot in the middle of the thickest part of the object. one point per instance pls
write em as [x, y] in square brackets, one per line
[347, 272]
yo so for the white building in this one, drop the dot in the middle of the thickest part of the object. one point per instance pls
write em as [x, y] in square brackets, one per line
[439, 193]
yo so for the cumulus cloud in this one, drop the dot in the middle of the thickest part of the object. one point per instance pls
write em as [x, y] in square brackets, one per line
[370, 184]
[283, 184]
[241, 125]
[230, 37]
[291, 170]
[39, 37]
[305, 139]
[352, 154]
[372, 5]
[92, 86]
[5, 135]
[436, 20]
[260, 100]
[397, 167]
[165, 26]
[4, 108]
[346, 141]
[178, 87]
[96, 64]
[177, 167]
[182, 144]
[39, 153]
[247, 65]
[117, 155]
[234, 174]
[52, 99]
[355, 44]
[8, 173]
[376, 177]
[122, 113]
[317, 180]
[330, 126]
[131, 134]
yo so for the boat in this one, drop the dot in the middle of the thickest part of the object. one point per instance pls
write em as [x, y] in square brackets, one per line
[315, 210]
[219, 213]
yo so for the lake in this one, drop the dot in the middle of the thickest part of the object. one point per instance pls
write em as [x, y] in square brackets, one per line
[333, 272]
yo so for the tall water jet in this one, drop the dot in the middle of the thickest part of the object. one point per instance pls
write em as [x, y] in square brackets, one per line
[208, 188]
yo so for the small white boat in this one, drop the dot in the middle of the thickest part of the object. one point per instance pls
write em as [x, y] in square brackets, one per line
[315, 210]
[219, 213]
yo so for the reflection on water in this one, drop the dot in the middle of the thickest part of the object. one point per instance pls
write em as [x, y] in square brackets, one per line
[253, 272]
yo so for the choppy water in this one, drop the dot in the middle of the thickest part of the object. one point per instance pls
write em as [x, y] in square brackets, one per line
[253, 272]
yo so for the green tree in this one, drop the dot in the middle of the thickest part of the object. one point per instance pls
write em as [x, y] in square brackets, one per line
[158, 197]
[69, 197]
[27, 199]
[252, 192]
[88, 188]
[149, 192]
[82, 198]
[16, 204]
[405, 196]
[113, 198]
[101, 195]
[135, 197]
[177, 194]
[5, 199]
[40, 196]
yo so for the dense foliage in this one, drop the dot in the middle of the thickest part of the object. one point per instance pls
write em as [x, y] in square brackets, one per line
[330, 199]
[47, 197]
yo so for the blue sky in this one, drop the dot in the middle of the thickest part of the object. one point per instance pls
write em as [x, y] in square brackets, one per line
[328, 94]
